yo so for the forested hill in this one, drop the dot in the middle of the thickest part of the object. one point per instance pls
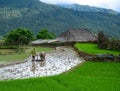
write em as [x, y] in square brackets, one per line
[36, 15]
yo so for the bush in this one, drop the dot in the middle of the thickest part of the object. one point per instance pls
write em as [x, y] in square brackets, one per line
[19, 36]
[45, 34]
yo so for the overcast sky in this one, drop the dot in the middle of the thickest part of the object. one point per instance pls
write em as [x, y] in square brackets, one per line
[110, 4]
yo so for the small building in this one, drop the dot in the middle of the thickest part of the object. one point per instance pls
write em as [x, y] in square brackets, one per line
[71, 35]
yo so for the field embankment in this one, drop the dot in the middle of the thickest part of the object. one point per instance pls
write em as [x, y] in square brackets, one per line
[94, 49]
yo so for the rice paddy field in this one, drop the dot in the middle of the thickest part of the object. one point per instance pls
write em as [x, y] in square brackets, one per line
[89, 76]
[93, 49]
[10, 55]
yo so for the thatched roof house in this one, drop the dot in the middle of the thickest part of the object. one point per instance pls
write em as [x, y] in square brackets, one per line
[77, 35]
[72, 35]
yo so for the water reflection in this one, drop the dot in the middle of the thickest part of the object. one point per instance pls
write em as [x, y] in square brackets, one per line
[33, 67]
[37, 64]
[42, 63]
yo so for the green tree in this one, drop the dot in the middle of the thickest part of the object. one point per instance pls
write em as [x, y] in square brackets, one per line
[19, 36]
[45, 34]
[102, 40]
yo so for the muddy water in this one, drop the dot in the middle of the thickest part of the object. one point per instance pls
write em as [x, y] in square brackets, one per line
[56, 62]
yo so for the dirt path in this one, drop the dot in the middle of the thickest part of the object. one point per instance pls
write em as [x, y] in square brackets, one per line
[58, 61]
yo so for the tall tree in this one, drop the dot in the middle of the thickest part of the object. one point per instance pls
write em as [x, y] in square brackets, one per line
[102, 40]
[19, 36]
[45, 34]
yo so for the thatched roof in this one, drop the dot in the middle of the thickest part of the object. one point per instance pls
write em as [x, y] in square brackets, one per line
[77, 35]
[73, 35]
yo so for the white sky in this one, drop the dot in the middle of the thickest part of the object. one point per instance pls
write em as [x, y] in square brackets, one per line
[110, 4]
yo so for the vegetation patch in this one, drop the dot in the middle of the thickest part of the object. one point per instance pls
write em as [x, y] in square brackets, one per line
[91, 76]
[8, 47]
[7, 51]
[94, 49]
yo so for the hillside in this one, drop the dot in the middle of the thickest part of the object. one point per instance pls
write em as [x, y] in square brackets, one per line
[36, 15]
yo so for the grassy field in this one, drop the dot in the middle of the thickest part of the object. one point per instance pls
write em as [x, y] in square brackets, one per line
[90, 76]
[21, 56]
[93, 49]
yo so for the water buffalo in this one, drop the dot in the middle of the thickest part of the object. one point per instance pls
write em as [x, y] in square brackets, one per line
[42, 56]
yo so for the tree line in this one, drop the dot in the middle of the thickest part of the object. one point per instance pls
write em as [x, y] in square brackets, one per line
[22, 36]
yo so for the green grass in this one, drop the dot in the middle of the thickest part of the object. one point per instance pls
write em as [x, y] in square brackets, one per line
[21, 56]
[13, 57]
[93, 49]
[90, 76]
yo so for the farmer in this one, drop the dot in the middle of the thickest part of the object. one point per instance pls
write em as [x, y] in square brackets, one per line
[33, 54]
